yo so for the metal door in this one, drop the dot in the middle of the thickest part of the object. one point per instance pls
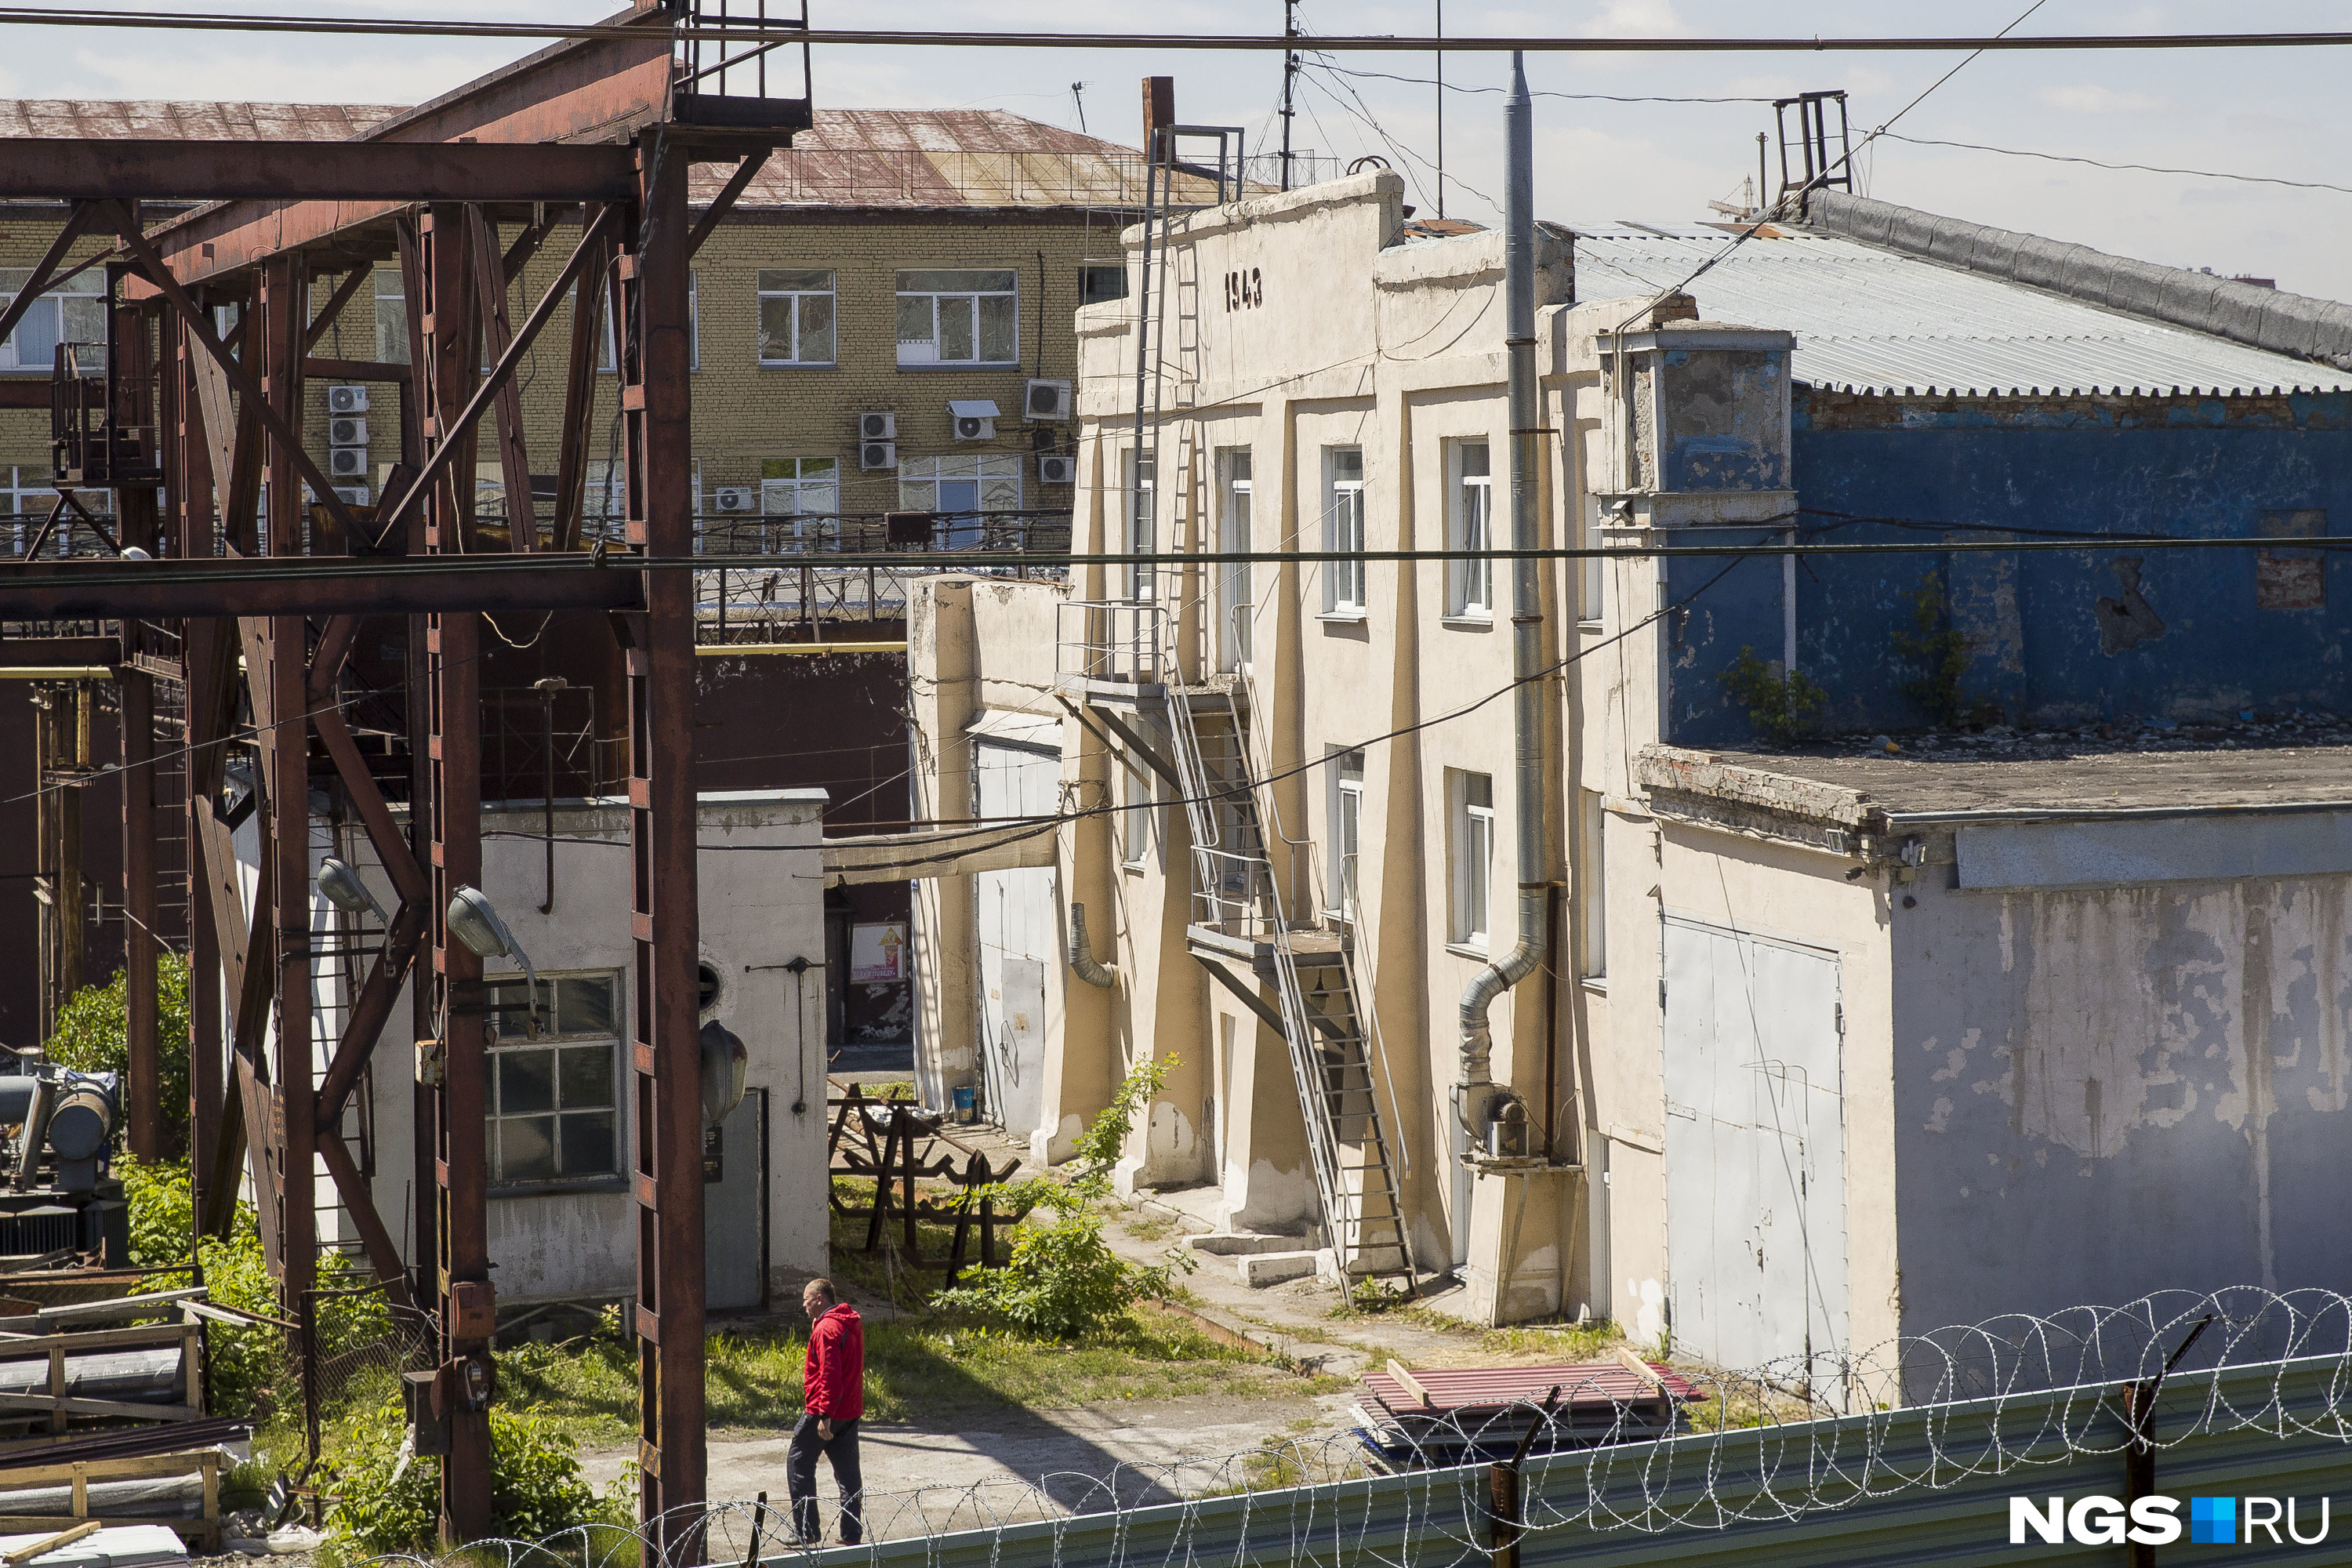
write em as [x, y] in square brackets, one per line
[1017, 931]
[734, 1172]
[1756, 1245]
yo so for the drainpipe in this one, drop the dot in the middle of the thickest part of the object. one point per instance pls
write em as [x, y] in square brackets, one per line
[1083, 963]
[1474, 1084]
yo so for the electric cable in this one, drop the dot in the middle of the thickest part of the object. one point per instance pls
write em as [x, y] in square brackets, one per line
[2132, 168]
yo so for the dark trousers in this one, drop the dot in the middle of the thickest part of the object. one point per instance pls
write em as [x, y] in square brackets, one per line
[800, 1478]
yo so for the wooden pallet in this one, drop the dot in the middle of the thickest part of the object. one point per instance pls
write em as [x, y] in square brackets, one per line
[204, 1532]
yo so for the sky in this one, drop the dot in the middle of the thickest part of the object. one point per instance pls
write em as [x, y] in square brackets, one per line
[2249, 112]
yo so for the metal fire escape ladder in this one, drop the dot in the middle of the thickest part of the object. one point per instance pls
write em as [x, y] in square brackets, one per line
[1237, 901]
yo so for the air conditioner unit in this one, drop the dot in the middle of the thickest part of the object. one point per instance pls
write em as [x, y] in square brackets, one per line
[351, 494]
[735, 498]
[1056, 468]
[974, 418]
[877, 454]
[346, 400]
[1047, 400]
[347, 463]
[878, 428]
[347, 433]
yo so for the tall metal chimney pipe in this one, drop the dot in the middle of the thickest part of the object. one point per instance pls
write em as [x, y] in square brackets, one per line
[1476, 1082]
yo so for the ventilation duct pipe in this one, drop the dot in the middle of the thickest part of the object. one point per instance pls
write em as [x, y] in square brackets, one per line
[1475, 1083]
[1082, 952]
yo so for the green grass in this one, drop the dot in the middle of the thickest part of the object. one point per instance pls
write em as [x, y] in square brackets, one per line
[924, 1366]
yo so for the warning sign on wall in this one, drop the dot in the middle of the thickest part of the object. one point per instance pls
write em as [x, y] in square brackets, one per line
[878, 953]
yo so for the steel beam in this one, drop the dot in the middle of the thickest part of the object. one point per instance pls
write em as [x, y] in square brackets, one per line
[280, 313]
[666, 1134]
[490, 283]
[597, 87]
[166, 589]
[66, 168]
[453, 646]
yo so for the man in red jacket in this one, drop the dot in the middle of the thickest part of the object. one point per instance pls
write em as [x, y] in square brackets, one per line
[833, 1397]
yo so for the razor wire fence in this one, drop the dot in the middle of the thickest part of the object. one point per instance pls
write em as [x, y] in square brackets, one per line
[1908, 1452]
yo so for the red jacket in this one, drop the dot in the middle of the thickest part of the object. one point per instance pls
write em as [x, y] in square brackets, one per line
[834, 1381]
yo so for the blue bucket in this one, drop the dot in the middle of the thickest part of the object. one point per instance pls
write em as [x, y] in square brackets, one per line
[964, 1103]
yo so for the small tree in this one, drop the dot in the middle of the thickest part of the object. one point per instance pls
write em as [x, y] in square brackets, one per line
[1780, 703]
[1063, 1279]
[93, 1035]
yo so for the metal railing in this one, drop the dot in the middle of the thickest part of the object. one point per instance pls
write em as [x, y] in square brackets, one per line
[1110, 639]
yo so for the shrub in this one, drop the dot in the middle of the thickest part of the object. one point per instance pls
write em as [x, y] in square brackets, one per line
[249, 1362]
[1062, 1278]
[389, 1501]
[1939, 649]
[1781, 704]
[93, 1035]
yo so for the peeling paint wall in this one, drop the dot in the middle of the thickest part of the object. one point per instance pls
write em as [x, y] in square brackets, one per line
[2057, 636]
[2104, 1091]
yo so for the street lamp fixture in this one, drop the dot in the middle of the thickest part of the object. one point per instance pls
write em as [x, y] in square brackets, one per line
[474, 920]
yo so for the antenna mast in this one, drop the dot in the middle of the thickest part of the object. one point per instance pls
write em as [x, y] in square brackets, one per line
[1289, 82]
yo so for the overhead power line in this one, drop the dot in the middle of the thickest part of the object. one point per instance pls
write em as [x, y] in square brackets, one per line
[1533, 92]
[1272, 43]
[2135, 168]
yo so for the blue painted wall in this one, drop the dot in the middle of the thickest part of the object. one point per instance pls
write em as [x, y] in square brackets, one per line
[2055, 637]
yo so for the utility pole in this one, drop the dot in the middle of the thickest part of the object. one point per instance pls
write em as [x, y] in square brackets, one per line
[1289, 82]
[1441, 110]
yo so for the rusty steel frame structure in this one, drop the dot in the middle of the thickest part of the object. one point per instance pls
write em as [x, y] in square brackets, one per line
[599, 131]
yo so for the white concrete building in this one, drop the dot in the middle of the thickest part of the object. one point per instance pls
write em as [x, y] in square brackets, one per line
[562, 1223]
[1827, 1048]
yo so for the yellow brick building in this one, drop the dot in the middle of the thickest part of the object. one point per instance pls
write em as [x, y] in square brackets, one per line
[890, 263]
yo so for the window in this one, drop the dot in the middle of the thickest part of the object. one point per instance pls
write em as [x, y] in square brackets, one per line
[1592, 879]
[603, 502]
[1143, 502]
[957, 490]
[1135, 813]
[693, 323]
[1343, 530]
[1099, 281]
[1589, 570]
[1347, 769]
[75, 313]
[554, 1111]
[800, 489]
[1233, 606]
[1469, 525]
[796, 318]
[25, 497]
[391, 317]
[1473, 857]
[958, 318]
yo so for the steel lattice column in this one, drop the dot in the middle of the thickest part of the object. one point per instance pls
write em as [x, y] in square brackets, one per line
[280, 316]
[667, 1169]
[129, 340]
[452, 648]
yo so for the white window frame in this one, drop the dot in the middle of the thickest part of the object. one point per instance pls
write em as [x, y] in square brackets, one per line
[1592, 886]
[807, 490]
[1345, 587]
[1141, 524]
[391, 316]
[943, 302]
[1591, 571]
[995, 482]
[693, 325]
[510, 1040]
[1237, 523]
[1469, 525]
[1135, 812]
[54, 310]
[794, 298]
[1472, 798]
[1347, 818]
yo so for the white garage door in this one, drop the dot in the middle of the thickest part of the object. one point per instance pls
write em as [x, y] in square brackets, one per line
[1017, 930]
[1755, 1154]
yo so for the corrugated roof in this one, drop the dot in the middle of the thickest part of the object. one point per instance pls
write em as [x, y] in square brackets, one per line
[851, 157]
[1469, 1390]
[1867, 320]
[124, 118]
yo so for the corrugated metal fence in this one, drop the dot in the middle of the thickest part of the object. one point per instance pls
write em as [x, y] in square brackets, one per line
[1923, 1484]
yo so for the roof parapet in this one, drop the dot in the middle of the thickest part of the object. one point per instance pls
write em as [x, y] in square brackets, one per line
[2222, 307]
